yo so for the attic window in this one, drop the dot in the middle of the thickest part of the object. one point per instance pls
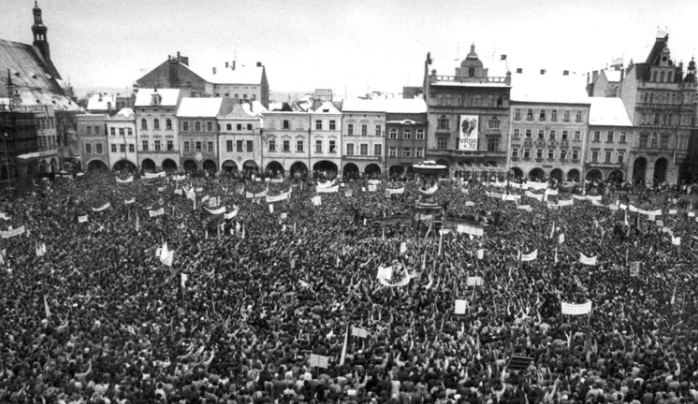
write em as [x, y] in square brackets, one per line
[325, 110]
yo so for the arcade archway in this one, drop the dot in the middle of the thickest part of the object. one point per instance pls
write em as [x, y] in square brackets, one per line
[169, 165]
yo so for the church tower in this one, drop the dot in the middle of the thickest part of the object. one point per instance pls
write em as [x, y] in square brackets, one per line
[40, 41]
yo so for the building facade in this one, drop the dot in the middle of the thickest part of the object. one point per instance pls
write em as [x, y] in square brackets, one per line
[93, 141]
[157, 130]
[241, 83]
[660, 101]
[325, 137]
[406, 129]
[198, 132]
[286, 142]
[174, 73]
[240, 139]
[468, 114]
[363, 137]
[121, 139]
[608, 144]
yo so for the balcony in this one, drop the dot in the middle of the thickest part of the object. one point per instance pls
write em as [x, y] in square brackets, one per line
[471, 80]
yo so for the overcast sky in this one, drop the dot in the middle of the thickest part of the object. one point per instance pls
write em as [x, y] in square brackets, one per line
[353, 44]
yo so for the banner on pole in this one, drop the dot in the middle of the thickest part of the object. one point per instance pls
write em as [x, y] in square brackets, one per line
[571, 309]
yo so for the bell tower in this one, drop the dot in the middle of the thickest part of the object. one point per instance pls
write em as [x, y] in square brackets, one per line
[39, 31]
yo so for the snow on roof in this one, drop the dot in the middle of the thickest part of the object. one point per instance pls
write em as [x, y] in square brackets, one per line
[99, 102]
[241, 75]
[325, 107]
[254, 108]
[406, 106]
[549, 88]
[363, 105]
[607, 111]
[199, 107]
[124, 113]
[169, 97]
[613, 76]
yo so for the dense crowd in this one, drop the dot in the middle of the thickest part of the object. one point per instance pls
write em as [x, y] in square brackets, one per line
[99, 318]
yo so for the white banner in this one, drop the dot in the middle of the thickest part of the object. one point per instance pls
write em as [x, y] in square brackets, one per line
[328, 184]
[126, 181]
[475, 281]
[583, 259]
[404, 282]
[157, 175]
[469, 229]
[156, 212]
[103, 207]
[130, 201]
[534, 196]
[530, 257]
[385, 273]
[675, 240]
[277, 198]
[551, 192]
[568, 202]
[358, 332]
[231, 215]
[461, 305]
[571, 309]
[82, 219]
[13, 232]
[527, 208]
[511, 197]
[329, 190]
[395, 191]
[431, 190]
[219, 211]
[468, 132]
[316, 200]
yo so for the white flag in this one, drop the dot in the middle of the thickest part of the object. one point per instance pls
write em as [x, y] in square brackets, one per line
[530, 257]
[403, 248]
[587, 260]
[675, 240]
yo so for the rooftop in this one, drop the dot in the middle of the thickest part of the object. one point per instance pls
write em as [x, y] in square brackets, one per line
[241, 75]
[169, 97]
[99, 102]
[549, 88]
[608, 111]
[202, 107]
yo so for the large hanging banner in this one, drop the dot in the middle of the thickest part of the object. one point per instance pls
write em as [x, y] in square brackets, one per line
[571, 309]
[468, 132]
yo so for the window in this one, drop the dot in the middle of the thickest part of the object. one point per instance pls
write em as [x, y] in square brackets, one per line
[211, 147]
[144, 145]
[287, 146]
[643, 140]
[250, 146]
[89, 129]
[197, 126]
[664, 141]
[567, 116]
[364, 149]
[88, 148]
[541, 117]
[597, 136]
[168, 124]
[529, 115]
[318, 124]
[157, 145]
[185, 126]
[528, 133]
[130, 132]
[228, 126]
[443, 122]
[420, 134]
[113, 148]
[122, 131]
[552, 135]
[578, 118]
[350, 129]
[299, 146]
[551, 154]
[392, 152]
[442, 142]
[333, 125]
[517, 114]
[609, 137]
[186, 146]
[229, 146]
[407, 134]
[577, 135]
[209, 126]
[539, 153]
[350, 149]
[112, 131]
[517, 134]
[378, 150]
[239, 127]
[156, 124]
[98, 148]
[653, 140]
[527, 153]
[575, 154]
[318, 146]
[493, 123]
[392, 133]
[197, 145]
[419, 152]
[406, 152]
[595, 156]
[541, 134]
[272, 145]
[364, 130]
[144, 124]
[553, 115]
[622, 137]
[621, 157]
[131, 148]
[492, 144]
[249, 126]
[238, 146]
[608, 156]
[98, 130]
[379, 130]
[122, 148]
[563, 154]
[514, 153]
[333, 146]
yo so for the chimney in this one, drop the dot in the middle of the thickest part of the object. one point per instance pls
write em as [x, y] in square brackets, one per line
[565, 72]
[542, 71]
[259, 64]
[622, 74]
[178, 57]
[519, 70]
[503, 57]
[185, 60]
[234, 64]
[594, 76]
[226, 65]
[214, 70]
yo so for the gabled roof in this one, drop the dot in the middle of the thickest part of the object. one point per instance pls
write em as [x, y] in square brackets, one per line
[243, 111]
[124, 113]
[254, 108]
[657, 48]
[324, 107]
[608, 111]
[204, 107]
[359, 105]
[241, 75]
[548, 88]
[99, 102]
[169, 97]
[36, 80]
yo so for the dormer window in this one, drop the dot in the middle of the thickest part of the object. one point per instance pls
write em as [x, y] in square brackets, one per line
[155, 99]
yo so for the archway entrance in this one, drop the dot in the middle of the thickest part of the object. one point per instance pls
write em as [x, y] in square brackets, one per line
[148, 164]
[97, 165]
[557, 174]
[660, 170]
[573, 175]
[169, 165]
[43, 167]
[54, 166]
[537, 174]
[639, 170]
[372, 169]
[517, 172]
[190, 165]
[299, 168]
[594, 175]
[350, 170]
[396, 170]
[229, 166]
[125, 165]
[326, 166]
[210, 165]
[616, 177]
[249, 165]
[275, 168]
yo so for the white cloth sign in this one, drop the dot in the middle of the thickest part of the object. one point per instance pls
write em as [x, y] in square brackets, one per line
[461, 305]
[583, 259]
[530, 257]
[571, 309]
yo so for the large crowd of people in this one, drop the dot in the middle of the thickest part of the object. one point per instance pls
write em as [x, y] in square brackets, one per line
[283, 304]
